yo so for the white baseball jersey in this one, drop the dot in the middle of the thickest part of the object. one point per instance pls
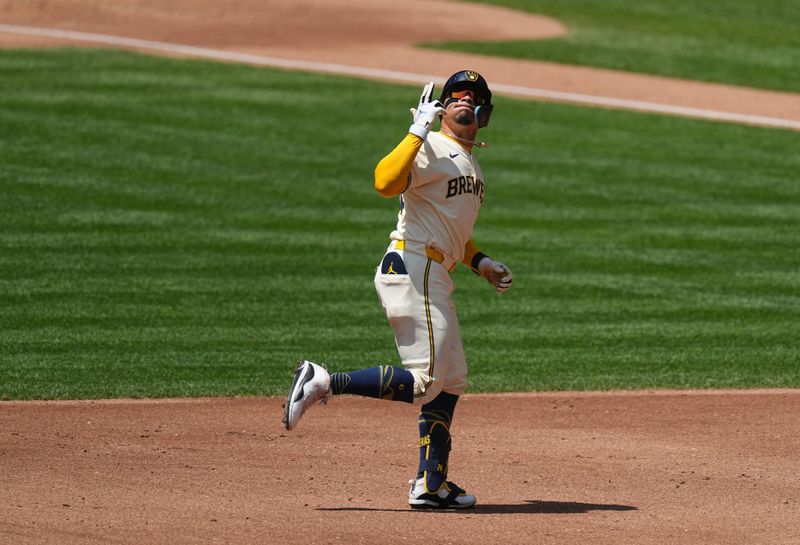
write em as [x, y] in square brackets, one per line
[441, 203]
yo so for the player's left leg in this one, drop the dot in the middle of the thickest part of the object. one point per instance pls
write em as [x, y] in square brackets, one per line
[431, 488]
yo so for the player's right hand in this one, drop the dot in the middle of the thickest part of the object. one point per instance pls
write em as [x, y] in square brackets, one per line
[425, 113]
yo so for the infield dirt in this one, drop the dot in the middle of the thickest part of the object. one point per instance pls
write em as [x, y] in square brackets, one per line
[685, 468]
[609, 468]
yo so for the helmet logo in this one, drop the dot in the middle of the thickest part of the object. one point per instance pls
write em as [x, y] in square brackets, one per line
[472, 76]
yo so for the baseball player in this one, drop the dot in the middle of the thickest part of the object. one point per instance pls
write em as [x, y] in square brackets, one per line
[441, 189]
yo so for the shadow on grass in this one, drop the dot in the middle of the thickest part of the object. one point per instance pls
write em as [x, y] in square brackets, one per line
[529, 506]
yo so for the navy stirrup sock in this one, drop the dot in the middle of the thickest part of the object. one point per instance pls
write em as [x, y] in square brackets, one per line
[434, 439]
[382, 382]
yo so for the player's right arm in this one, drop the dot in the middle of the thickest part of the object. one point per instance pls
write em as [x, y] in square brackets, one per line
[393, 171]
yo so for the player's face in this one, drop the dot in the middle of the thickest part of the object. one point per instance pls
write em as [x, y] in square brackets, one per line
[460, 107]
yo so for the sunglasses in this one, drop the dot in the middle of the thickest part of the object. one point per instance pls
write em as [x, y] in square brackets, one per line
[458, 95]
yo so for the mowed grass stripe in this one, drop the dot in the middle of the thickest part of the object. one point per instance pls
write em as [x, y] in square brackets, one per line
[729, 41]
[183, 228]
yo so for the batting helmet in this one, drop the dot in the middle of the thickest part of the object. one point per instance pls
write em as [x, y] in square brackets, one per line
[469, 79]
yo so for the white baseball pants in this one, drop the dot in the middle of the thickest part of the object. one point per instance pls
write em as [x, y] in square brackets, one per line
[424, 322]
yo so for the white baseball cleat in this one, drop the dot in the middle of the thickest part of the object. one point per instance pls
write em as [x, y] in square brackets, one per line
[449, 496]
[311, 383]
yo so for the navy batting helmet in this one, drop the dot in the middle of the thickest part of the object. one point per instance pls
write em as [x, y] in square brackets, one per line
[482, 96]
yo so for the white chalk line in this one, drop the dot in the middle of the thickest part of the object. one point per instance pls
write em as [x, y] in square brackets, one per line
[391, 75]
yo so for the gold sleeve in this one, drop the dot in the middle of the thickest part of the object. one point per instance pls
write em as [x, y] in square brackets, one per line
[392, 172]
[472, 255]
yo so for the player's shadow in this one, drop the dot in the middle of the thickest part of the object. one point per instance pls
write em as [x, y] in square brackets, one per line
[550, 507]
[532, 507]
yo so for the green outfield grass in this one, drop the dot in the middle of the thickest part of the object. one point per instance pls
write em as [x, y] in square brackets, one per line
[184, 228]
[727, 41]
